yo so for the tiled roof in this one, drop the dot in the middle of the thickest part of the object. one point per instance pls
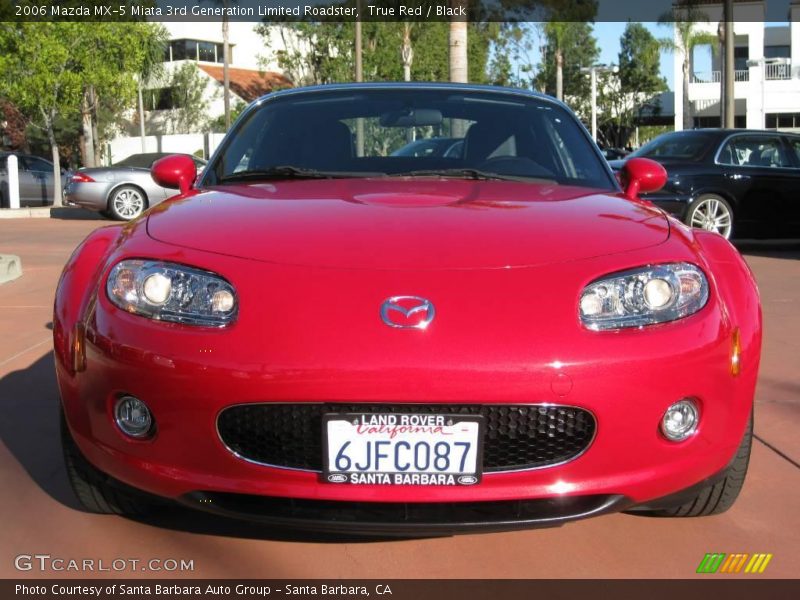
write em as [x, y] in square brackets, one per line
[247, 84]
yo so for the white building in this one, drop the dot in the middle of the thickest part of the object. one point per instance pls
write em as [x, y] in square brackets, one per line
[253, 71]
[767, 71]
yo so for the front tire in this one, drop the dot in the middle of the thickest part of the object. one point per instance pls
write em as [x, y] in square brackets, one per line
[718, 497]
[711, 213]
[96, 491]
[126, 203]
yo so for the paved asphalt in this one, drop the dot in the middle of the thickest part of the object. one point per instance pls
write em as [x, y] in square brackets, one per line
[41, 515]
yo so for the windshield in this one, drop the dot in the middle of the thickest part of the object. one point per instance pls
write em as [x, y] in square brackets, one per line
[409, 132]
[688, 146]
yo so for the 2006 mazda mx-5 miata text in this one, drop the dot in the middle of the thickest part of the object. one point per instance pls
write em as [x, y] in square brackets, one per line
[320, 333]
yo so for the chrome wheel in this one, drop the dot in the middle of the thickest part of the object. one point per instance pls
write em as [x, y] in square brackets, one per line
[712, 214]
[127, 203]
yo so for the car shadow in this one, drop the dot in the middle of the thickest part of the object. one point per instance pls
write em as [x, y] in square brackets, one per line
[785, 249]
[29, 428]
[74, 213]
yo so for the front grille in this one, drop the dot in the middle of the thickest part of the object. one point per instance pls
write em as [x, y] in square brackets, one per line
[515, 436]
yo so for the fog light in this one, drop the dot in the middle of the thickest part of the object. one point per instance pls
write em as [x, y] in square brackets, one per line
[680, 420]
[133, 417]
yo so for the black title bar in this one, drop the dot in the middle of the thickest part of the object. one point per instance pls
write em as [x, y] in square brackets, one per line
[388, 10]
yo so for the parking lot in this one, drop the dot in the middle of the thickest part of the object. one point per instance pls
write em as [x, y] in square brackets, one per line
[41, 515]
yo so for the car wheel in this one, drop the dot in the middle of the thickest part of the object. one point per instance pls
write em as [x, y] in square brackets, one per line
[720, 496]
[96, 491]
[712, 213]
[126, 203]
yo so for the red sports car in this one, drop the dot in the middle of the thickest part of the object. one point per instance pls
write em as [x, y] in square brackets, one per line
[319, 333]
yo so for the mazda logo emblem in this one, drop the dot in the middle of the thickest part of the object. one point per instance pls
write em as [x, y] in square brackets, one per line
[407, 312]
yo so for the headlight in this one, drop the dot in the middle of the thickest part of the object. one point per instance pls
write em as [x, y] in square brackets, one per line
[170, 292]
[653, 294]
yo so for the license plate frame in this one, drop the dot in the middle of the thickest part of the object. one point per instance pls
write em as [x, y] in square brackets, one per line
[409, 476]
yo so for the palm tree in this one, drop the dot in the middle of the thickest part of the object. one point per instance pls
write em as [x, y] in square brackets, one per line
[407, 55]
[226, 59]
[687, 38]
[226, 78]
[151, 68]
[407, 52]
[459, 71]
[556, 31]
[459, 65]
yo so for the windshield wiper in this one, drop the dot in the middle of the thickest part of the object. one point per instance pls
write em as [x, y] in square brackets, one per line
[461, 174]
[289, 172]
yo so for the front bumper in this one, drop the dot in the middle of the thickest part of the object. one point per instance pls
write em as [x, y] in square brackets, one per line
[407, 518]
[413, 518]
[188, 379]
[292, 348]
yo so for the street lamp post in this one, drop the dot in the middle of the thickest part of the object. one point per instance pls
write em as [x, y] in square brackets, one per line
[593, 71]
[762, 64]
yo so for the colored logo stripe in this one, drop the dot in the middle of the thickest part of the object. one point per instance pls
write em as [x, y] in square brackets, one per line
[733, 563]
[710, 563]
[758, 563]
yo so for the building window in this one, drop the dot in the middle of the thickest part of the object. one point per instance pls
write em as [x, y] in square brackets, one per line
[783, 121]
[179, 50]
[741, 55]
[195, 50]
[777, 52]
[739, 122]
[161, 99]
[206, 51]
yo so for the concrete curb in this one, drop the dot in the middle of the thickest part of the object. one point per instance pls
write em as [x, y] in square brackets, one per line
[25, 213]
[10, 268]
[49, 212]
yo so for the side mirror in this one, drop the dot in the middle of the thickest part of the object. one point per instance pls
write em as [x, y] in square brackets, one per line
[174, 171]
[642, 176]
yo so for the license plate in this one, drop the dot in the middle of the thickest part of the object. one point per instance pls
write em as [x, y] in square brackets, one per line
[399, 449]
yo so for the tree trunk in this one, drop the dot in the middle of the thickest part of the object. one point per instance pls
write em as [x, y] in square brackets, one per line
[141, 117]
[728, 96]
[359, 68]
[87, 135]
[559, 74]
[459, 65]
[407, 54]
[688, 121]
[98, 155]
[226, 80]
[459, 71]
[722, 71]
[51, 136]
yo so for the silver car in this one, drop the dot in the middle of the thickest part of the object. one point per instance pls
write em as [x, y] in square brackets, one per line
[35, 177]
[122, 191]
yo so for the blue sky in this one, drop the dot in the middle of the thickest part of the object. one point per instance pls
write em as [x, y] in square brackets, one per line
[608, 34]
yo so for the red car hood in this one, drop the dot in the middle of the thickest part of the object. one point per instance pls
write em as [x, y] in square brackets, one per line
[407, 223]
